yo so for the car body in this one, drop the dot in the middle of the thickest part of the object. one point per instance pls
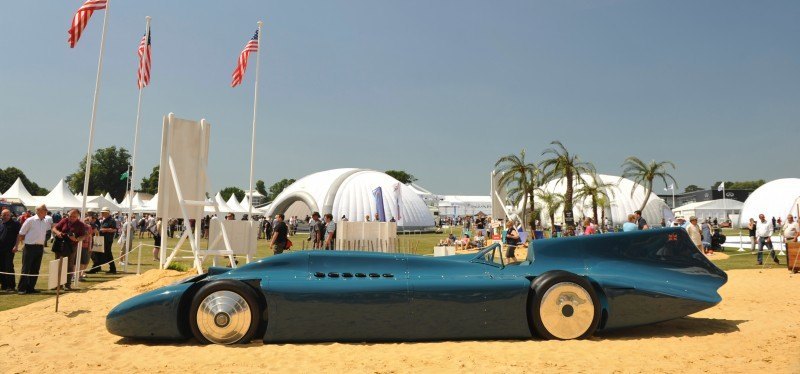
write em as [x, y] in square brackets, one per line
[566, 288]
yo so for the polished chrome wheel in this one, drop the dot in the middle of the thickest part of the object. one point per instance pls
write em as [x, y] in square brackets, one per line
[224, 317]
[567, 310]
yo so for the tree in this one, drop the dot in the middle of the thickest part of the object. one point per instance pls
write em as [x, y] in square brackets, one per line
[150, 184]
[550, 201]
[10, 174]
[596, 190]
[260, 188]
[520, 178]
[692, 188]
[228, 191]
[108, 164]
[563, 164]
[741, 185]
[643, 174]
[402, 176]
[278, 187]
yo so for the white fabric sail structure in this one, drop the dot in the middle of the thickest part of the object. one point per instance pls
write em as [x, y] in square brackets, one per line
[61, 198]
[349, 192]
[773, 199]
[234, 205]
[623, 202]
[17, 191]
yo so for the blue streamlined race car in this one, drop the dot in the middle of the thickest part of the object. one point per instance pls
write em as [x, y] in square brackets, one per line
[566, 288]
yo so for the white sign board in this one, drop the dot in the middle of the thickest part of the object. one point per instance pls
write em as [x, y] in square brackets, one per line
[367, 236]
[242, 235]
[186, 143]
[52, 280]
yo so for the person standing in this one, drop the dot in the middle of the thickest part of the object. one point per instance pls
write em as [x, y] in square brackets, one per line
[631, 224]
[640, 221]
[330, 233]
[72, 231]
[790, 230]
[751, 231]
[314, 233]
[280, 235]
[695, 234]
[108, 228]
[764, 230]
[707, 234]
[512, 240]
[9, 229]
[32, 234]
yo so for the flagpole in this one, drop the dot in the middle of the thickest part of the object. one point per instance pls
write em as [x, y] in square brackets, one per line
[253, 140]
[88, 168]
[128, 231]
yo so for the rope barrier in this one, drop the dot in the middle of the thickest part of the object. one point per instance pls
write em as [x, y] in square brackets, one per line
[45, 275]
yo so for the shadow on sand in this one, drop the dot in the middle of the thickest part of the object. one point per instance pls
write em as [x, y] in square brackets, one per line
[686, 326]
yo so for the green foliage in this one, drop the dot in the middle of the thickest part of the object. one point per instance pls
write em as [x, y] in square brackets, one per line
[107, 165]
[563, 164]
[178, 267]
[521, 179]
[228, 191]
[692, 188]
[261, 188]
[402, 176]
[643, 174]
[278, 187]
[740, 185]
[150, 184]
[597, 191]
[10, 174]
[550, 201]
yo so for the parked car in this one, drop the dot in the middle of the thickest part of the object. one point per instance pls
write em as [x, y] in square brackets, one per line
[566, 288]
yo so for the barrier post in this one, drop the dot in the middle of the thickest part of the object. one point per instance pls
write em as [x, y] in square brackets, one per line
[139, 264]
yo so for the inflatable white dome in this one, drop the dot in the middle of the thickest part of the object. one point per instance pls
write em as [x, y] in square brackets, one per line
[621, 201]
[348, 192]
[773, 199]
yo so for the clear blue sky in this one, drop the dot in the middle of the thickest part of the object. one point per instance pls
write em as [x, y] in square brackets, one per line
[438, 88]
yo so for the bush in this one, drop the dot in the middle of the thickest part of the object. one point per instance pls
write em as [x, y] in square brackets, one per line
[177, 266]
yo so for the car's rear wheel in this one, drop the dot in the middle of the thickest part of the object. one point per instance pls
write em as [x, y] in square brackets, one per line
[564, 306]
[224, 312]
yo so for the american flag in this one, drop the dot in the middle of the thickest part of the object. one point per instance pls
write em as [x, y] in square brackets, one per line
[81, 18]
[251, 46]
[143, 75]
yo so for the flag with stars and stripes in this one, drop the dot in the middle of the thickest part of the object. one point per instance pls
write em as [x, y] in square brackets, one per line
[81, 18]
[143, 75]
[251, 46]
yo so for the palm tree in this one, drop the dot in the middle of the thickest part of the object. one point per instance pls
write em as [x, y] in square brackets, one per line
[550, 201]
[643, 174]
[602, 203]
[596, 190]
[520, 178]
[563, 164]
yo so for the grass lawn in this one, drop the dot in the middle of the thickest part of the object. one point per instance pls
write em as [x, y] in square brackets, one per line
[417, 243]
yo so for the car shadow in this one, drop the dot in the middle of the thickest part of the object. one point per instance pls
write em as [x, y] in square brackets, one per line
[686, 326]
[682, 327]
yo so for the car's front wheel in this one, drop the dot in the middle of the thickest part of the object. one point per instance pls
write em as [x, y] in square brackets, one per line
[224, 312]
[564, 306]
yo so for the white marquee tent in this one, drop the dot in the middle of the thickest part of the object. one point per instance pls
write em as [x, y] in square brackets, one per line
[234, 205]
[773, 199]
[348, 192]
[61, 198]
[17, 191]
[719, 209]
[149, 207]
[458, 205]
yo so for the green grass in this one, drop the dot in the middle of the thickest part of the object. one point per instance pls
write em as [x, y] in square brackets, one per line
[412, 243]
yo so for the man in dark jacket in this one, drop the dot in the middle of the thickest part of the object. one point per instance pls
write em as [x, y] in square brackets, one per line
[9, 228]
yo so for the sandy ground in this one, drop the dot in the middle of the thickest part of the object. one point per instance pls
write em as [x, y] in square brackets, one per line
[755, 329]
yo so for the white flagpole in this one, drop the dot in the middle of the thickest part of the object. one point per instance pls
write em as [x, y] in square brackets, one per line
[88, 169]
[255, 111]
[128, 231]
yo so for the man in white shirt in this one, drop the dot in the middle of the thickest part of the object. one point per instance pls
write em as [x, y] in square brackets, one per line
[32, 234]
[790, 230]
[764, 231]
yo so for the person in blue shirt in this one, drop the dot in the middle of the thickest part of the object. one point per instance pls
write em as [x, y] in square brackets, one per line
[631, 225]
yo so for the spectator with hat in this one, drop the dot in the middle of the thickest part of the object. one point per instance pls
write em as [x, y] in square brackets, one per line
[108, 228]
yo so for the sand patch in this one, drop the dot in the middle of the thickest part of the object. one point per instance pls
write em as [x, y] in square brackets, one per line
[754, 329]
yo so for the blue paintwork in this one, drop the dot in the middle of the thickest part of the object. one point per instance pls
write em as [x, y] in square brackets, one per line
[641, 277]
